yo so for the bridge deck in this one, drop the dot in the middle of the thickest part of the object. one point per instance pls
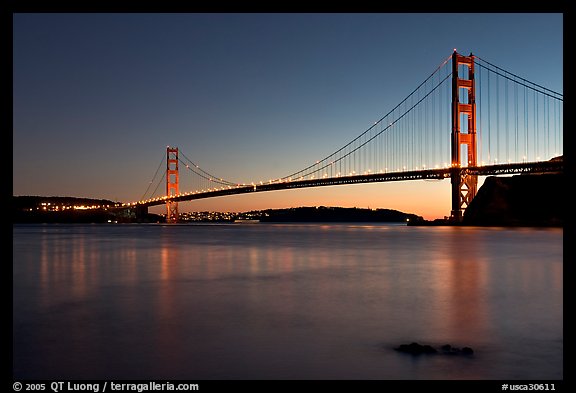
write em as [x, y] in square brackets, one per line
[442, 173]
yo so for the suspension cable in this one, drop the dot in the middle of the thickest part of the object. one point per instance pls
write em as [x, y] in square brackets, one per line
[202, 173]
[371, 127]
[160, 182]
[552, 93]
[152, 181]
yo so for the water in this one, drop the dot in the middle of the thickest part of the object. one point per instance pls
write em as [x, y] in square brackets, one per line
[288, 301]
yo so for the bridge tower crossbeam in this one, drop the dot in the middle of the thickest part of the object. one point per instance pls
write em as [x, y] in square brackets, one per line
[464, 185]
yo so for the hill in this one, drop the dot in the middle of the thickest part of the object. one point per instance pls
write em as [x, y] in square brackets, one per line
[521, 200]
[335, 214]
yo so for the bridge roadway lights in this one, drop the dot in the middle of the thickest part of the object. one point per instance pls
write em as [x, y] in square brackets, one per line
[456, 175]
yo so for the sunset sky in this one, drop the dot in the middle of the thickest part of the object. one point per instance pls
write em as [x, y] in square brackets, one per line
[98, 97]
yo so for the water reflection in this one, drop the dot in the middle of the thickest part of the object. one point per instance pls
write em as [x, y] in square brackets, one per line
[467, 287]
[287, 301]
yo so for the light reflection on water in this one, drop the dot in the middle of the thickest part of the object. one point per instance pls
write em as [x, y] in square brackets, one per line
[285, 301]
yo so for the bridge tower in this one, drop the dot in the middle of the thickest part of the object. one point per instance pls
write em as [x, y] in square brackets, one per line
[463, 184]
[171, 183]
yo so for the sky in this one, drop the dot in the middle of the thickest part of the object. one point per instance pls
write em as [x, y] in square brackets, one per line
[98, 97]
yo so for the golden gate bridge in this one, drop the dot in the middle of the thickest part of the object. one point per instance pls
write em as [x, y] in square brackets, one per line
[468, 118]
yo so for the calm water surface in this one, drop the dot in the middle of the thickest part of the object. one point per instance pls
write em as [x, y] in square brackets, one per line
[285, 301]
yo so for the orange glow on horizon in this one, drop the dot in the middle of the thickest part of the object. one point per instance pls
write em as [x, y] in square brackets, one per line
[429, 199]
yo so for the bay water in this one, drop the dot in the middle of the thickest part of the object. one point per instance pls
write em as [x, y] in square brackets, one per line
[285, 301]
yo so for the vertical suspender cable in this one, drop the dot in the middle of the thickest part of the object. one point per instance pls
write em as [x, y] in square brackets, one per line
[535, 108]
[516, 147]
[489, 123]
[498, 155]
[506, 119]
[526, 128]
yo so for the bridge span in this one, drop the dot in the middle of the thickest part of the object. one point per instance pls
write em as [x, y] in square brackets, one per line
[552, 166]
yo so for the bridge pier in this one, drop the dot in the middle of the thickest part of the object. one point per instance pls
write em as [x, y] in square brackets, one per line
[463, 191]
[456, 212]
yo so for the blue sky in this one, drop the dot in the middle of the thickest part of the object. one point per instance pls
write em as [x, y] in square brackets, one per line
[98, 97]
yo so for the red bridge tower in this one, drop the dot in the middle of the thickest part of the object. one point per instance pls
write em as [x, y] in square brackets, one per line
[463, 184]
[171, 183]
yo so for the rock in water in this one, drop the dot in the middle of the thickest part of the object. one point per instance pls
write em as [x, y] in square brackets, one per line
[415, 349]
[467, 351]
[447, 349]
